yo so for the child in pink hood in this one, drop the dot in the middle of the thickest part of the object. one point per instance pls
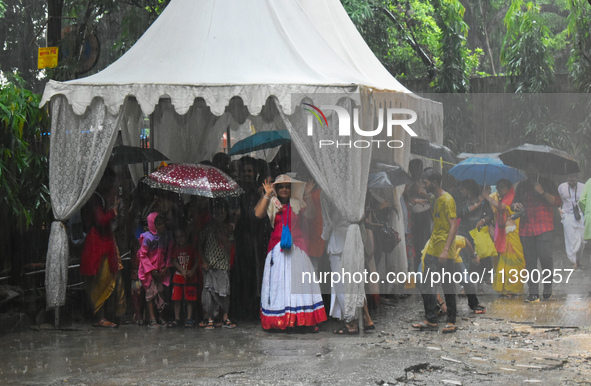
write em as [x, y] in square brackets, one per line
[154, 268]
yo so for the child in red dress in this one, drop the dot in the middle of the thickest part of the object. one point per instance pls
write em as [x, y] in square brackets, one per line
[186, 279]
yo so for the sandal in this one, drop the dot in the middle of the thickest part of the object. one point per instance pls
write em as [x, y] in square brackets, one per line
[479, 309]
[426, 326]
[203, 323]
[154, 324]
[106, 324]
[314, 329]
[228, 324]
[189, 323]
[173, 324]
[210, 325]
[449, 328]
[344, 330]
[369, 328]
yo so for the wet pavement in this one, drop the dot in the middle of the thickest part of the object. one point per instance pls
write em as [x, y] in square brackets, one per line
[514, 343]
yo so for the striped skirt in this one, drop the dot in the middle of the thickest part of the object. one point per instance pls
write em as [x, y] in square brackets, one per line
[288, 297]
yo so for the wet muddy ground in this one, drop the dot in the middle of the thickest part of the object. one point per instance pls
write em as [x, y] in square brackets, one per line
[514, 343]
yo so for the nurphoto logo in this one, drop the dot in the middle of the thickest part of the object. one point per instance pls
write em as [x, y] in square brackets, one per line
[393, 117]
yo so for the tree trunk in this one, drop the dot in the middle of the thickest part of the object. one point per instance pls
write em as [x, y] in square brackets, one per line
[488, 50]
[54, 22]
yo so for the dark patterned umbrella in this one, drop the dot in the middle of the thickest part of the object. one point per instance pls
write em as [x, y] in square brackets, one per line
[431, 150]
[383, 176]
[197, 180]
[125, 155]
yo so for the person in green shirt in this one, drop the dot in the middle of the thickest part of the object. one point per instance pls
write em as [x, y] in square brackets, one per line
[585, 205]
[440, 255]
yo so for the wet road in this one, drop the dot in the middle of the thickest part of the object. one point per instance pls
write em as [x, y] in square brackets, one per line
[512, 344]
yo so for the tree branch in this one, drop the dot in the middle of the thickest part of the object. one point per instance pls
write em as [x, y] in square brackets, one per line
[411, 40]
[488, 49]
[81, 35]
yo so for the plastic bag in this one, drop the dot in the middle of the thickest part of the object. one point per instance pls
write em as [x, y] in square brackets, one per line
[483, 244]
[286, 240]
[388, 237]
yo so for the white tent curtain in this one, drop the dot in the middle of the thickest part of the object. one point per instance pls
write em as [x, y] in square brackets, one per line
[429, 116]
[131, 124]
[192, 137]
[80, 145]
[342, 175]
[195, 136]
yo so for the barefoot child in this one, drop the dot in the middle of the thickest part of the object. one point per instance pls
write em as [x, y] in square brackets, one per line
[185, 280]
[154, 269]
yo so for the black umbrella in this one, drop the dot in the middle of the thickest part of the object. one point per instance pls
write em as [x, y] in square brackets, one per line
[465, 156]
[546, 158]
[383, 176]
[431, 150]
[125, 155]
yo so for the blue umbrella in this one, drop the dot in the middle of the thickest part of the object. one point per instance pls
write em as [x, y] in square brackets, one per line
[485, 171]
[261, 140]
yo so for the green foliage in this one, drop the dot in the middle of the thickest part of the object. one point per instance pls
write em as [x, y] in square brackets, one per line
[20, 23]
[358, 11]
[579, 64]
[579, 29]
[118, 25]
[526, 52]
[456, 65]
[418, 39]
[454, 54]
[402, 34]
[24, 170]
[129, 19]
[135, 21]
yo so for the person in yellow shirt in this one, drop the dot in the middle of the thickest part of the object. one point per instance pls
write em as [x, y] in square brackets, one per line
[470, 288]
[440, 255]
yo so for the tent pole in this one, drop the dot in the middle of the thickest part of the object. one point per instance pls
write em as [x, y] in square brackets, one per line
[228, 140]
[151, 145]
[360, 321]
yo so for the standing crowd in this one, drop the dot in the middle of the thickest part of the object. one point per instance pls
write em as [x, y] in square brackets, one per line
[210, 263]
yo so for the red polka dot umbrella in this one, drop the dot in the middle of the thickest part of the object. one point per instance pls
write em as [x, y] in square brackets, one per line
[197, 180]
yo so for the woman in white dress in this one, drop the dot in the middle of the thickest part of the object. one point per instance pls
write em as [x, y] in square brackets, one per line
[289, 296]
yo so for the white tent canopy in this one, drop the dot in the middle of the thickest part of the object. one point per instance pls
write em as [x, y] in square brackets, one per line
[218, 49]
[206, 65]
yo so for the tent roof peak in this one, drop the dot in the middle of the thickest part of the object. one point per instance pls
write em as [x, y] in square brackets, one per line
[256, 47]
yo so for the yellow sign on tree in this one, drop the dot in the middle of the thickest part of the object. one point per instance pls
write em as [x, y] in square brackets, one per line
[47, 57]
